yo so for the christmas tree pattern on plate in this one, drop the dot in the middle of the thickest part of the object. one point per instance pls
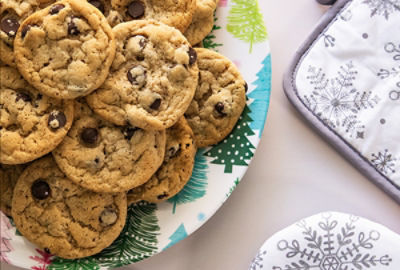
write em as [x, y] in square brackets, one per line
[246, 22]
[152, 228]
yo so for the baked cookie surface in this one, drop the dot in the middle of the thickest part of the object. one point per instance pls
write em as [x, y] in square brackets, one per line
[12, 14]
[113, 17]
[63, 218]
[65, 50]
[219, 100]
[103, 157]
[152, 79]
[31, 124]
[176, 169]
[203, 21]
[175, 13]
[9, 175]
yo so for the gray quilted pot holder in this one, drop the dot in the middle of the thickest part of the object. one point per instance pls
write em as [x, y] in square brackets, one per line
[345, 80]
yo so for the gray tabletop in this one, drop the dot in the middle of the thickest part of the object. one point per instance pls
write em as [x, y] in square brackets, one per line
[294, 174]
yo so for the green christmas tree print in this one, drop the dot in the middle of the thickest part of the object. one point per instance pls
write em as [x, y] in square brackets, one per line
[246, 23]
[233, 187]
[236, 148]
[79, 264]
[197, 185]
[209, 40]
[138, 239]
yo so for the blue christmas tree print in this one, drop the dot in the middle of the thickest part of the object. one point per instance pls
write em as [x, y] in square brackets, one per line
[177, 236]
[197, 185]
[260, 95]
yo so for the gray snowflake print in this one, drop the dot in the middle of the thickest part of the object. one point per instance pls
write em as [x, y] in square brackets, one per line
[329, 40]
[337, 102]
[384, 162]
[393, 71]
[383, 7]
[257, 262]
[338, 247]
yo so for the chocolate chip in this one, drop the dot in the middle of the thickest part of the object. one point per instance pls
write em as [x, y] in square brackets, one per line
[9, 25]
[98, 4]
[192, 56]
[39, 97]
[156, 104]
[56, 8]
[174, 151]
[25, 97]
[143, 42]
[73, 28]
[129, 132]
[219, 107]
[246, 87]
[162, 196]
[47, 250]
[97, 160]
[25, 30]
[136, 9]
[108, 217]
[40, 189]
[89, 135]
[137, 75]
[56, 120]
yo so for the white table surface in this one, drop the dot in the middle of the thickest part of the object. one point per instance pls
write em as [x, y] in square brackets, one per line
[294, 173]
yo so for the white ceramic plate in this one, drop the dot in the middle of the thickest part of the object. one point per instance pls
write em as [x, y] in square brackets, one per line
[239, 33]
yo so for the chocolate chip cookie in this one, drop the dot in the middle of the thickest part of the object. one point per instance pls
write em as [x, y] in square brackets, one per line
[106, 158]
[9, 175]
[31, 124]
[152, 79]
[63, 218]
[65, 50]
[219, 100]
[113, 17]
[12, 14]
[203, 21]
[175, 13]
[176, 169]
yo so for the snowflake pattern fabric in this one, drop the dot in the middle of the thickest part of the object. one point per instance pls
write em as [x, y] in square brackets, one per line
[330, 241]
[383, 7]
[384, 162]
[336, 100]
[349, 79]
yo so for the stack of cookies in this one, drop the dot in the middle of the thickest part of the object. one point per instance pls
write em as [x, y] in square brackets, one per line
[120, 96]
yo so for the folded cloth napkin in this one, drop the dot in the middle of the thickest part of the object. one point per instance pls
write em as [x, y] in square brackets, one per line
[345, 80]
[331, 241]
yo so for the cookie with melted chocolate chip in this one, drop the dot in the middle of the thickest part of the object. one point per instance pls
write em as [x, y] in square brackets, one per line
[219, 99]
[176, 169]
[62, 217]
[66, 49]
[152, 79]
[12, 14]
[103, 157]
[31, 124]
[109, 11]
[175, 13]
